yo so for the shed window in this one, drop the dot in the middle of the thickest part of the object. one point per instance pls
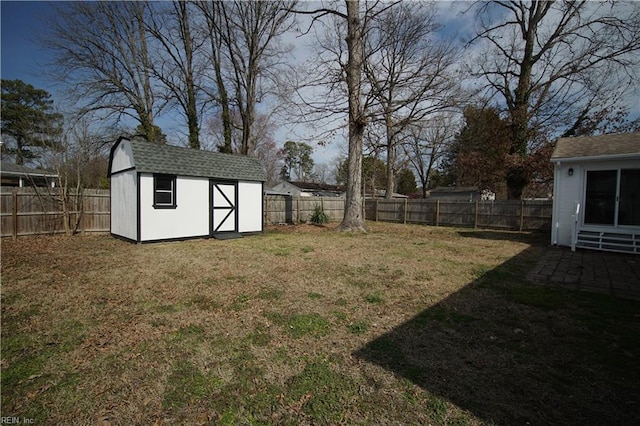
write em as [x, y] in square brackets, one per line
[164, 192]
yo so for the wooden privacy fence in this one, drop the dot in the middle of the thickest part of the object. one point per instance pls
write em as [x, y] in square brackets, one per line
[512, 215]
[287, 209]
[27, 212]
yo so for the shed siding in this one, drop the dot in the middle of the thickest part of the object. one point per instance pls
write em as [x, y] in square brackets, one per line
[250, 207]
[189, 219]
[123, 204]
[122, 157]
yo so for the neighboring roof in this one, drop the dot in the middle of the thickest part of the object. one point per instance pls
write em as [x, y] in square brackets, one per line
[17, 170]
[607, 146]
[454, 189]
[312, 186]
[269, 191]
[174, 160]
[382, 192]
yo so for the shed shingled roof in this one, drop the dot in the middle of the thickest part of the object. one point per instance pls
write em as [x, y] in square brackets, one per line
[153, 158]
[619, 144]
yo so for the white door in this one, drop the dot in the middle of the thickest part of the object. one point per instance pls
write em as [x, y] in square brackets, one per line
[223, 197]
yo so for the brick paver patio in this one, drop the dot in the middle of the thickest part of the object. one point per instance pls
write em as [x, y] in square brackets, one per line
[616, 274]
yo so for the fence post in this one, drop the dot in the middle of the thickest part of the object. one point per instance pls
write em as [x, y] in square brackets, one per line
[14, 213]
[475, 215]
[437, 212]
[521, 215]
[298, 210]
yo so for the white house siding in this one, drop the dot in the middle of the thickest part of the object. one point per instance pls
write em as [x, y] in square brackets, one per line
[568, 193]
[123, 204]
[570, 190]
[122, 157]
[189, 219]
[250, 206]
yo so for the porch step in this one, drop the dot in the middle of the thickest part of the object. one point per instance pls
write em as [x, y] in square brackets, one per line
[623, 242]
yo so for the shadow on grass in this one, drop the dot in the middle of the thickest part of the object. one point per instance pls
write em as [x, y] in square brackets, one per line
[510, 352]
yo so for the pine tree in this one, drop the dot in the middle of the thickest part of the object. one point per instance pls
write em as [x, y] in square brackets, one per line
[28, 120]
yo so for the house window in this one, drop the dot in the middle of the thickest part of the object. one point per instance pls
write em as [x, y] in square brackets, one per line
[164, 192]
[613, 197]
[600, 204]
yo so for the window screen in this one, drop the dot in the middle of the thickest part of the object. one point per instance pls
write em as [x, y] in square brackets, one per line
[164, 191]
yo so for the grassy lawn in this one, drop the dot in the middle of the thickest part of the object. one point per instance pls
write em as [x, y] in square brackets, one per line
[303, 325]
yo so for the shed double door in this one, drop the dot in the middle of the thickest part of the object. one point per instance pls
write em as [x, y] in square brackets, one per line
[224, 200]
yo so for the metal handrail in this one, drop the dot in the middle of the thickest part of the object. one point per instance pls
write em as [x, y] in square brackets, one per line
[574, 229]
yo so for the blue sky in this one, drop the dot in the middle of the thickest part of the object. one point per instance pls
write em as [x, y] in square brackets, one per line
[21, 56]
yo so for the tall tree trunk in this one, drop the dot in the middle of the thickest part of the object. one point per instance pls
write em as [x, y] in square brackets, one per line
[145, 111]
[19, 151]
[353, 219]
[425, 178]
[226, 119]
[213, 15]
[248, 144]
[517, 176]
[146, 124]
[391, 157]
[191, 110]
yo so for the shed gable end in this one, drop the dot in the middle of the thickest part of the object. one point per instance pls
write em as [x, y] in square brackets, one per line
[121, 157]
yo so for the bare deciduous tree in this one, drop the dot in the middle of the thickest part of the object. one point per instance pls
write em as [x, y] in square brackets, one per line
[353, 219]
[213, 24]
[271, 158]
[542, 58]
[425, 144]
[101, 53]
[339, 75]
[266, 148]
[249, 33]
[410, 72]
[176, 64]
[73, 155]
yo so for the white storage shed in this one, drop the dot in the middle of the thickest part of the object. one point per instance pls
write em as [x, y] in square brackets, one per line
[596, 194]
[164, 192]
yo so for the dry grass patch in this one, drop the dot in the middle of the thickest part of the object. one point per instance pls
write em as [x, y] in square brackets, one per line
[305, 325]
